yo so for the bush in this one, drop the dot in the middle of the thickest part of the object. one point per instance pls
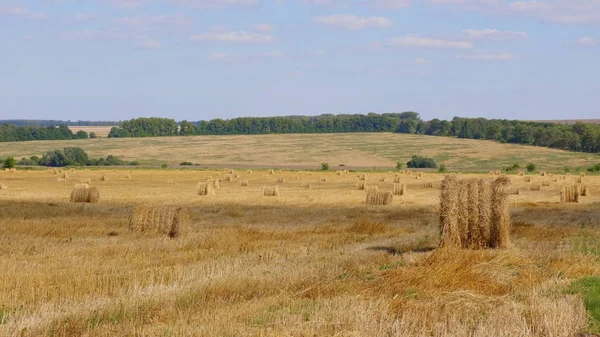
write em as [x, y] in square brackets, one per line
[442, 168]
[530, 167]
[26, 162]
[9, 162]
[595, 168]
[186, 163]
[567, 169]
[324, 166]
[421, 162]
[512, 168]
[399, 166]
[80, 135]
[164, 166]
[93, 135]
[134, 163]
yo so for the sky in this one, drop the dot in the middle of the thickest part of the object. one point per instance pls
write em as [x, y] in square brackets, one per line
[204, 59]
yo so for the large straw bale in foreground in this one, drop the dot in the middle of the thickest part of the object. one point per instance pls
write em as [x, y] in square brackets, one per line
[271, 191]
[157, 220]
[206, 188]
[474, 213]
[84, 193]
[570, 194]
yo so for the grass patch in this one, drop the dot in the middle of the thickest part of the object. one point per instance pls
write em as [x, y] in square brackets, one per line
[589, 288]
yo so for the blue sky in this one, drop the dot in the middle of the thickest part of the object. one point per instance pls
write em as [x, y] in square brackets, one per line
[203, 59]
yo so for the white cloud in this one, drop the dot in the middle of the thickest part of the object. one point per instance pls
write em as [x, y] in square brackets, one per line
[389, 4]
[14, 10]
[489, 56]
[82, 16]
[241, 37]
[493, 34]
[37, 16]
[148, 44]
[149, 22]
[219, 56]
[263, 27]
[353, 22]
[273, 54]
[587, 41]
[424, 42]
[420, 61]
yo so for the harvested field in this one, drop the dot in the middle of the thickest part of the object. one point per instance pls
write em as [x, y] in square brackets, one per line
[310, 262]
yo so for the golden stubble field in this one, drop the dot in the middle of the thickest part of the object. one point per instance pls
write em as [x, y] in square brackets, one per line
[310, 262]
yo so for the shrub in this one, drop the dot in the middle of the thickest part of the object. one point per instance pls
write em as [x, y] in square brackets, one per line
[186, 163]
[595, 168]
[26, 162]
[442, 168]
[530, 167]
[567, 169]
[324, 166]
[9, 162]
[399, 165]
[513, 167]
[421, 162]
[93, 135]
[80, 135]
[164, 166]
[134, 163]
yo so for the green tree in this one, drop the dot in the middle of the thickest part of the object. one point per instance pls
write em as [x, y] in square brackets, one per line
[530, 167]
[421, 162]
[442, 168]
[324, 166]
[9, 163]
[81, 135]
[399, 165]
[93, 135]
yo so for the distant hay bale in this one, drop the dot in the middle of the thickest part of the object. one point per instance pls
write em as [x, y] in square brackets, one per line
[305, 185]
[85, 194]
[363, 176]
[271, 172]
[379, 198]
[297, 178]
[417, 177]
[324, 179]
[272, 191]
[521, 173]
[543, 173]
[579, 180]
[229, 178]
[554, 180]
[83, 185]
[570, 194]
[64, 175]
[408, 172]
[127, 176]
[397, 180]
[244, 183]
[545, 183]
[399, 189]
[61, 180]
[249, 171]
[361, 185]
[585, 191]
[534, 187]
[103, 177]
[563, 177]
[339, 173]
[3, 187]
[428, 185]
[280, 180]
[85, 181]
[236, 176]
[382, 179]
[231, 171]
[216, 184]
[515, 191]
[497, 173]
[168, 220]
[582, 174]
[205, 188]
[420, 174]
[474, 213]
[372, 189]
[527, 179]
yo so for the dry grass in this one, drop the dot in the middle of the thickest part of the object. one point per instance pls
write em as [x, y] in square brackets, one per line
[315, 262]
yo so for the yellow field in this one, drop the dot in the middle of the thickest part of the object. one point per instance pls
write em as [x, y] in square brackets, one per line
[311, 262]
[101, 131]
[303, 151]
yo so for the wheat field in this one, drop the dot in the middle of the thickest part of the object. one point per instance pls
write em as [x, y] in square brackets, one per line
[302, 151]
[310, 262]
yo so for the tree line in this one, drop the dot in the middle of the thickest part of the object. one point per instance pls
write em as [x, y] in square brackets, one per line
[13, 133]
[52, 122]
[583, 137]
